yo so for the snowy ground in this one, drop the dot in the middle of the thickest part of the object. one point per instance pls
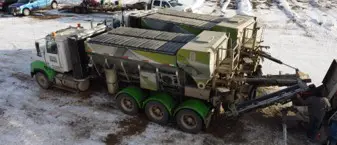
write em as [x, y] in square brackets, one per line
[301, 33]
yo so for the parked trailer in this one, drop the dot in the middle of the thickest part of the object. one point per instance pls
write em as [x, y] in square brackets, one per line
[172, 76]
[90, 6]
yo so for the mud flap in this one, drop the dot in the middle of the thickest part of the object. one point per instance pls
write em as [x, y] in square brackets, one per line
[208, 118]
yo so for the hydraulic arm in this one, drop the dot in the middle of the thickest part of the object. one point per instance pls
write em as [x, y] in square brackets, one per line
[281, 96]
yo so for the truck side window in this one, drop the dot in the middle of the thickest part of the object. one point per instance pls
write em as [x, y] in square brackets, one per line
[156, 3]
[165, 5]
[51, 47]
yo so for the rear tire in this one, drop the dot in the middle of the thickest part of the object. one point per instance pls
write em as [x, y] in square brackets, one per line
[26, 12]
[157, 112]
[54, 5]
[127, 104]
[189, 121]
[42, 80]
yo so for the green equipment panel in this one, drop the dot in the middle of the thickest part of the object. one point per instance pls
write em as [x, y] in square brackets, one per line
[148, 80]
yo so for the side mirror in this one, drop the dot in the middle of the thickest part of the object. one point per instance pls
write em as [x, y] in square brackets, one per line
[38, 51]
[116, 3]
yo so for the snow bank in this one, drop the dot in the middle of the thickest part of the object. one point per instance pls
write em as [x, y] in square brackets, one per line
[283, 4]
[245, 7]
[224, 5]
[193, 5]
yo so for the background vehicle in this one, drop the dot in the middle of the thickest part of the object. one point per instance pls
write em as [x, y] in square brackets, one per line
[89, 6]
[172, 76]
[25, 7]
[5, 3]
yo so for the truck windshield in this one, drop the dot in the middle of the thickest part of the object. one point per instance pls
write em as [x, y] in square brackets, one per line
[23, 1]
[175, 3]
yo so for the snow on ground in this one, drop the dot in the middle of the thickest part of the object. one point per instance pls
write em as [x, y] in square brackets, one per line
[301, 33]
[303, 36]
[245, 7]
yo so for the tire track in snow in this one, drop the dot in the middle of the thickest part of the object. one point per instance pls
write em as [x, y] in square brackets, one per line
[312, 26]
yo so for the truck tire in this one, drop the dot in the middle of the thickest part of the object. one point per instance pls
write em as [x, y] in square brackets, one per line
[42, 80]
[127, 104]
[157, 112]
[26, 12]
[189, 121]
[54, 5]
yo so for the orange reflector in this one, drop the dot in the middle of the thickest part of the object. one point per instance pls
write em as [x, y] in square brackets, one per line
[88, 50]
[53, 34]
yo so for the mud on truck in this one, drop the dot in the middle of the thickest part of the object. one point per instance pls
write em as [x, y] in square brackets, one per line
[171, 76]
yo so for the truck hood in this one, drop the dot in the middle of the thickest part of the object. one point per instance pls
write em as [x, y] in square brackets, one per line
[16, 5]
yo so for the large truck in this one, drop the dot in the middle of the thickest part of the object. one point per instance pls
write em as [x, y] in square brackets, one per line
[243, 31]
[172, 76]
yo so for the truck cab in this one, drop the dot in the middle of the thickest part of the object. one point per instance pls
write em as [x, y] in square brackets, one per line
[169, 4]
[55, 63]
[25, 7]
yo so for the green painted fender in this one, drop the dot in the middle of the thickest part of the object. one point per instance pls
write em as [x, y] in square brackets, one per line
[38, 65]
[163, 98]
[198, 106]
[135, 92]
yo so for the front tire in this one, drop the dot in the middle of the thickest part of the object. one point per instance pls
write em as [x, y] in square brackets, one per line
[26, 12]
[54, 5]
[157, 112]
[189, 121]
[127, 104]
[42, 80]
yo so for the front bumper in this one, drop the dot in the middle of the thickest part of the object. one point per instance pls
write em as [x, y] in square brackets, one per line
[15, 11]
